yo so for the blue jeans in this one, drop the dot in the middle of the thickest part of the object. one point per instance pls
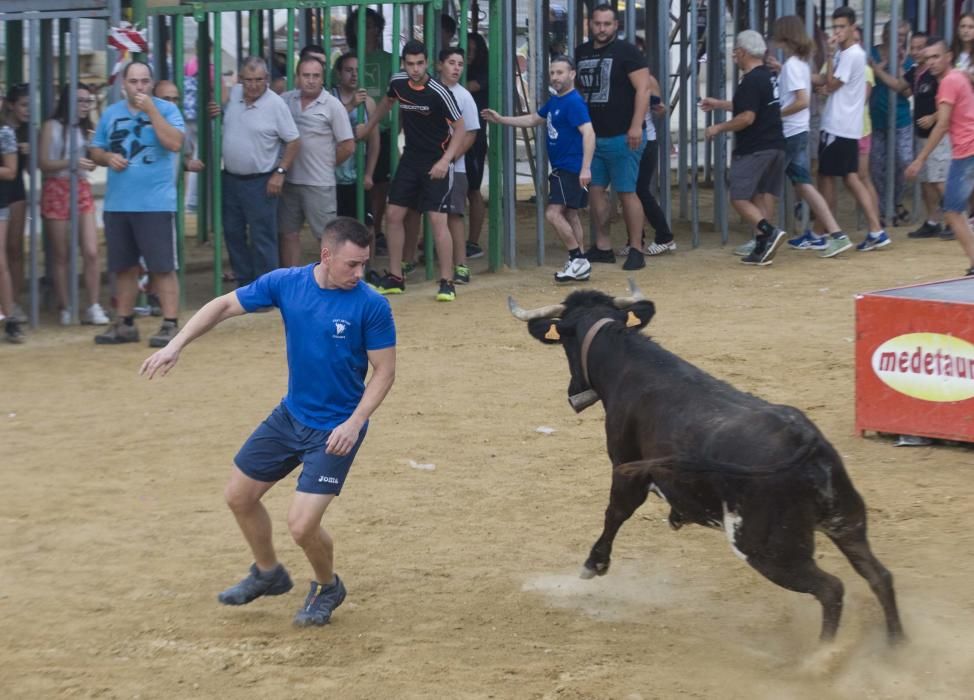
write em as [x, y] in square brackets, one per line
[878, 165]
[960, 184]
[248, 209]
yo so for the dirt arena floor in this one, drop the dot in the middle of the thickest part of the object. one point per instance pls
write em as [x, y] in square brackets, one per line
[463, 575]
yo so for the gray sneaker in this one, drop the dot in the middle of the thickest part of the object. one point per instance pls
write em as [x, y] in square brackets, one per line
[117, 334]
[745, 249]
[835, 245]
[167, 331]
[320, 604]
[257, 584]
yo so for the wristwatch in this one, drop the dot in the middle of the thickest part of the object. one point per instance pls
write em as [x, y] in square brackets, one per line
[280, 171]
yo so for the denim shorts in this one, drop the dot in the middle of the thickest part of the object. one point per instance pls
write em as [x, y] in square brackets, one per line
[281, 443]
[798, 166]
[616, 164]
[960, 184]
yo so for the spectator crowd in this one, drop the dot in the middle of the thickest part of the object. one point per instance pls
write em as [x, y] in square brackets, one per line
[289, 157]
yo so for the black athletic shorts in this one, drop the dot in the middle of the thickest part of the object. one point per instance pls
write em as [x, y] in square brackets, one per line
[564, 188]
[384, 164]
[475, 159]
[837, 156]
[149, 234]
[412, 187]
[345, 196]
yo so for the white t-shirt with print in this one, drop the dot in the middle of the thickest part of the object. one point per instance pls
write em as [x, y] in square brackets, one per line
[795, 75]
[845, 106]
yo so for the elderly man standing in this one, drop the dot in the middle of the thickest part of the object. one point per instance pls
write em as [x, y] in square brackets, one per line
[137, 139]
[256, 122]
[758, 164]
[326, 142]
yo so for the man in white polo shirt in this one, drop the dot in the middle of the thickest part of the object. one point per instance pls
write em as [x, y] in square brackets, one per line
[326, 142]
[256, 122]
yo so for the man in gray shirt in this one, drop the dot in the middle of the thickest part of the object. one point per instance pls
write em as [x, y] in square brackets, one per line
[326, 141]
[256, 122]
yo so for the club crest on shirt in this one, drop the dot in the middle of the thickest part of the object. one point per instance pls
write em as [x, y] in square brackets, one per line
[340, 325]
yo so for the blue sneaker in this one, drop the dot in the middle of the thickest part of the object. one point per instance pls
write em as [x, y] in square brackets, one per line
[257, 584]
[806, 241]
[874, 242]
[320, 604]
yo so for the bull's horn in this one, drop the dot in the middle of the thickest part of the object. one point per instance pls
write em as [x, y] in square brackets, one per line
[528, 314]
[635, 294]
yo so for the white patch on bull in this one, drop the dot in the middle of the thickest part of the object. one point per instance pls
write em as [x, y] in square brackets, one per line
[732, 524]
[655, 489]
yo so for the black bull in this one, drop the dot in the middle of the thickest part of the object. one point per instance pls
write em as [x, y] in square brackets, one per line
[720, 457]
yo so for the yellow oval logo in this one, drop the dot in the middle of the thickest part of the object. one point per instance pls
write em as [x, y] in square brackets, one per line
[927, 366]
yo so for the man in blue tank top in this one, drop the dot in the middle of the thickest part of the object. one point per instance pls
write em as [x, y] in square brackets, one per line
[335, 326]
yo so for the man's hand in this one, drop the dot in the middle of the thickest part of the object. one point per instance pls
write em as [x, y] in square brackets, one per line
[708, 104]
[146, 104]
[117, 163]
[161, 361]
[359, 97]
[490, 115]
[275, 184]
[659, 109]
[585, 177]
[711, 132]
[439, 169]
[913, 169]
[361, 132]
[342, 439]
[86, 164]
[367, 183]
[195, 166]
[214, 109]
[927, 122]
[634, 137]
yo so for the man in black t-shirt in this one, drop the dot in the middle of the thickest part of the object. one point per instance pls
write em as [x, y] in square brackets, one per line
[924, 79]
[424, 178]
[758, 163]
[613, 79]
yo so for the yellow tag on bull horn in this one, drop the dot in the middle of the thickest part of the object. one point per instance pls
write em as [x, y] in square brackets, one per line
[552, 333]
[632, 320]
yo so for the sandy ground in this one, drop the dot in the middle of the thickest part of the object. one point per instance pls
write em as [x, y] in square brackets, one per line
[463, 579]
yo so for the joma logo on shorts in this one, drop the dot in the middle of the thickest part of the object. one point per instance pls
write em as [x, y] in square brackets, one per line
[327, 480]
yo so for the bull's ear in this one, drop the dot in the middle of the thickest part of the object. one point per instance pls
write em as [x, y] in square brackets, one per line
[545, 330]
[639, 314]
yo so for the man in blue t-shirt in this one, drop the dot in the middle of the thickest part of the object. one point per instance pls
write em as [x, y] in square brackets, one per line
[335, 326]
[137, 139]
[571, 145]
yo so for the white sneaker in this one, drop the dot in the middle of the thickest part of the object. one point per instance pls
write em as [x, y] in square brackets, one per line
[660, 248]
[64, 317]
[577, 270]
[95, 316]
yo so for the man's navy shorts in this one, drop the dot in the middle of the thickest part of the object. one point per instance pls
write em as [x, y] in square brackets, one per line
[281, 443]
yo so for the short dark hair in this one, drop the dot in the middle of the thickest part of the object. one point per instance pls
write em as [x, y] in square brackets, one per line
[604, 7]
[310, 49]
[845, 12]
[449, 51]
[340, 61]
[345, 228]
[125, 70]
[448, 24]
[934, 39]
[351, 24]
[414, 47]
[562, 58]
[919, 35]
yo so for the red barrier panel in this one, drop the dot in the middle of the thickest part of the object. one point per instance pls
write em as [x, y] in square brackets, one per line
[915, 360]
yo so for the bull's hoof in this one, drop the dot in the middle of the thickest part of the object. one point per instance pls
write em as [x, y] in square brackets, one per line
[589, 572]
